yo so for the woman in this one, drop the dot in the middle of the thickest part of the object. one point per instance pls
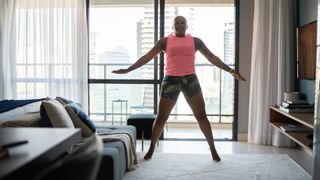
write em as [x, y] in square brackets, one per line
[180, 49]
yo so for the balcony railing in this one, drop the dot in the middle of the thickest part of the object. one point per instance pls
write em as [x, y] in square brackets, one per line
[142, 102]
[105, 78]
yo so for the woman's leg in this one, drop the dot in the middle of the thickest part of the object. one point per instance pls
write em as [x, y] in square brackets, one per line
[197, 105]
[165, 107]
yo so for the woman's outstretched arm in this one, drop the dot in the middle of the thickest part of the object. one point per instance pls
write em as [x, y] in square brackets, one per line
[157, 48]
[215, 60]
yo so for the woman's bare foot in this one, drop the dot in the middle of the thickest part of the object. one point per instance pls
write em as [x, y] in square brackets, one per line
[214, 154]
[148, 156]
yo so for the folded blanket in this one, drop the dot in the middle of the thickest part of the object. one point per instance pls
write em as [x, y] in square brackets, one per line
[7, 105]
[129, 145]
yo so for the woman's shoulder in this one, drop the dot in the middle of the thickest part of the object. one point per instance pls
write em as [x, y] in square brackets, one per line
[198, 43]
[197, 40]
[163, 42]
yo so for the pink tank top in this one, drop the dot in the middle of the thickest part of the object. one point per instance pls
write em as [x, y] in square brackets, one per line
[180, 55]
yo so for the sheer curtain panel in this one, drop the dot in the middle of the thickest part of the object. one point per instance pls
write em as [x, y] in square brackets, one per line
[50, 49]
[7, 50]
[273, 65]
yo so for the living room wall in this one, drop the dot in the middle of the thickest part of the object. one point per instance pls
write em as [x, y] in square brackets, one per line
[245, 41]
[307, 14]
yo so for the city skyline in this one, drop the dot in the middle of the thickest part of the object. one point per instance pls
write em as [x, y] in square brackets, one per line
[120, 36]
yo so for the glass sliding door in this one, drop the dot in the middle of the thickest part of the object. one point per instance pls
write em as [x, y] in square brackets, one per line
[122, 31]
[119, 33]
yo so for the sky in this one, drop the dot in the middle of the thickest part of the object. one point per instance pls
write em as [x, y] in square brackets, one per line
[117, 27]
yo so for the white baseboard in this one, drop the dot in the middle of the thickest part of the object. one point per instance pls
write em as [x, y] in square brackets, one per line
[243, 137]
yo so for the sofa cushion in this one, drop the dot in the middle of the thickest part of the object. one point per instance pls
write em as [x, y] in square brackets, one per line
[53, 113]
[79, 118]
[113, 164]
[25, 120]
[110, 165]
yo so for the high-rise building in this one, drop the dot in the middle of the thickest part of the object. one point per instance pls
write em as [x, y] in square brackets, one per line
[229, 40]
[229, 58]
[118, 55]
[92, 46]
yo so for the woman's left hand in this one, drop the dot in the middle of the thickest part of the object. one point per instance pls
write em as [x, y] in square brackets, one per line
[237, 75]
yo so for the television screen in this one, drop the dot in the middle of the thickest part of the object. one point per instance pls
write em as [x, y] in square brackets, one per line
[306, 49]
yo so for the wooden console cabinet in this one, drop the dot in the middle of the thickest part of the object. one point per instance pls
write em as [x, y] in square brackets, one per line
[304, 138]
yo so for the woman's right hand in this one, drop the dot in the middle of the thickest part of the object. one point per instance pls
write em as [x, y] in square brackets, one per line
[120, 71]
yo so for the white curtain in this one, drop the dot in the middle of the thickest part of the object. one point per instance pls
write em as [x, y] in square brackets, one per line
[48, 53]
[273, 65]
[7, 53]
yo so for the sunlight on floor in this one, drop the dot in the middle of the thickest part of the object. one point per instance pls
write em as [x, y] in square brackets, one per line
[195, 133]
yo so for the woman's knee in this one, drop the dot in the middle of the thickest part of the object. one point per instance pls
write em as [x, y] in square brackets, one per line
[161, 119]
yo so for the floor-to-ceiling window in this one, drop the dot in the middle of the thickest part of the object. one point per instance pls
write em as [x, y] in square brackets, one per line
[122, 31]
[119, 33]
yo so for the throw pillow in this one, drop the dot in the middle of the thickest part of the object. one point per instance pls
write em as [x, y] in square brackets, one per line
[63, 101]
[79, 118]
[53, 113]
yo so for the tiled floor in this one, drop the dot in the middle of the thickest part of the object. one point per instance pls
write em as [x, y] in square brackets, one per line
[228, 147]
[195, 133]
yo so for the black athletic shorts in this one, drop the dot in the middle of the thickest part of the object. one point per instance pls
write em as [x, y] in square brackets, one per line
[172, 85]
